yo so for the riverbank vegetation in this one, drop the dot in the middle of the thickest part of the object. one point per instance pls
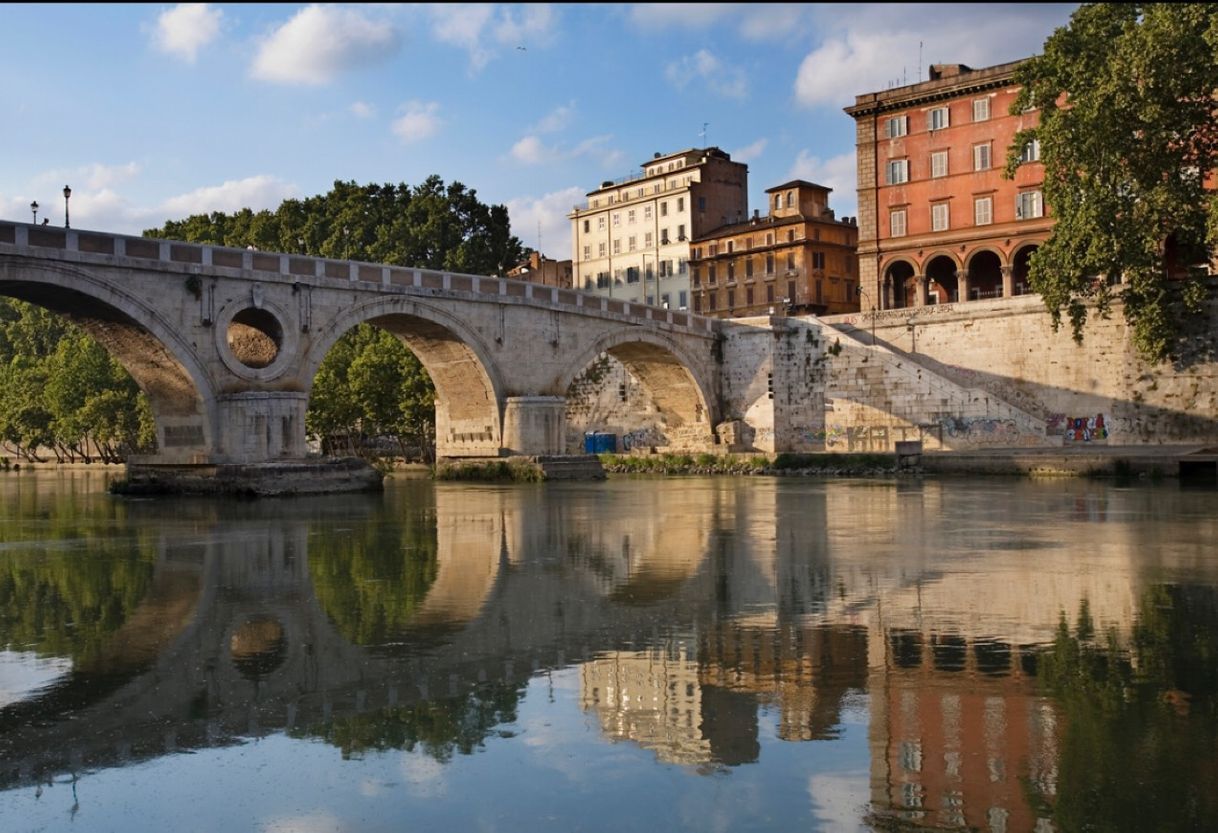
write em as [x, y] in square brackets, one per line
[780, 464]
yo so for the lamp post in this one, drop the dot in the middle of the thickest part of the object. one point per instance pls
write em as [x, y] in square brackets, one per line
[34, 208]
[859, 291]
[67, 194]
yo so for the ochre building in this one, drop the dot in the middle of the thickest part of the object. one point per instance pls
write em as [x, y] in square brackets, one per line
[797, 260]
[938, 222]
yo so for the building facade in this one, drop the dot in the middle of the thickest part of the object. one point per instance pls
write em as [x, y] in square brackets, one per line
[797, 260]
[938, 220]
[540, 269]
[632, 240]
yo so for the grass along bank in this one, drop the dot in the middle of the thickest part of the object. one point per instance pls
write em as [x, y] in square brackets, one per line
[857, 465]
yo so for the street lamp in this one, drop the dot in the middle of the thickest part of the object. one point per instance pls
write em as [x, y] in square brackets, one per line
[67, 193]
[858, 289]
[34, 208]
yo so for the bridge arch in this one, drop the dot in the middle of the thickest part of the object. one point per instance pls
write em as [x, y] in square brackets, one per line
[469, 391]
[666, 370]
[147, 345]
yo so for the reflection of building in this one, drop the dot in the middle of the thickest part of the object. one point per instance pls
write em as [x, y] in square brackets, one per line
[541, 269]
[650, 698]
[938, 222]
[796, 259]
[632, 241]
[957, 736]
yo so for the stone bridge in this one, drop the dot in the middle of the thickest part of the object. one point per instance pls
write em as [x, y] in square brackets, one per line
[226, 342]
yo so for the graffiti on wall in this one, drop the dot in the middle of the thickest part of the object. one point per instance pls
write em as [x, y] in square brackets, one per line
[1092, 429]
[980, 430]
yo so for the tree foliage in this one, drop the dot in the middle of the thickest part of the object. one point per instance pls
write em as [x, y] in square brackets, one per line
[370, 385]
[1129, 141]
[61, 393]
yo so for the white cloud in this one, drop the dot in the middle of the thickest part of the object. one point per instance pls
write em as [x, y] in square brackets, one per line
[362, 110]
[681, 15]
[418, 122]
[424, 775]
[556, 120]
[758, 22]
[530, 151]
[317, 822]
[750, 152]
[482, 29]
[720, 78]
[185, 29]
[874, 47]
[597, 148]
[95, 176]
[255, 192]
[839, 801]
[320, 42]
[838, 173]
[550, 210]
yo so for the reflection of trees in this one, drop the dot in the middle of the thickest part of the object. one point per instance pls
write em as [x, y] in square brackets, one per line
[1140, 744]
[67, 603]
[371, 580]
[439, 726]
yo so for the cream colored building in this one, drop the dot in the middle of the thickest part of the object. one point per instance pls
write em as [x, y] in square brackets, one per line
[632, 240]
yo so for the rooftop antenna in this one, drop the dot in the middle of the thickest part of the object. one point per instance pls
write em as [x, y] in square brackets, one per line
[919, 60]
[705, 125]
[539, 238]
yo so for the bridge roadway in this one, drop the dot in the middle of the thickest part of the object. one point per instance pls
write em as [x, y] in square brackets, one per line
[226, 342]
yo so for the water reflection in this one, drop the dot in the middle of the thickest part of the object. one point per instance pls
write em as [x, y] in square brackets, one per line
[1027, 657]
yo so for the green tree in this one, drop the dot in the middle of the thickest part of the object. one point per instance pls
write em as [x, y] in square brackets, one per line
[371, 385]
[1128, 138]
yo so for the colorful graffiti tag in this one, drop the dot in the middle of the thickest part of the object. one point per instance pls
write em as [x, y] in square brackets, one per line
[1085, 429]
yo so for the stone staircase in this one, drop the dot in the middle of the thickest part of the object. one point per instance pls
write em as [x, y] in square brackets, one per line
[870, 382]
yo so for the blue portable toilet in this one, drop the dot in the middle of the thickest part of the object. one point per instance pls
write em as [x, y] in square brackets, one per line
[606, 443]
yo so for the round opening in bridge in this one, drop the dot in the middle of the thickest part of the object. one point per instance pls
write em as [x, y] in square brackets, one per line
[254, 337]
[258, 647]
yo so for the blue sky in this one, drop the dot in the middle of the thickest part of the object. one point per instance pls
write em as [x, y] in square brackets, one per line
[155, 112]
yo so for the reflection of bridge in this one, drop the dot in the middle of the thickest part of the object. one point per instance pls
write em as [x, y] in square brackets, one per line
[234, 638]
[226, 342]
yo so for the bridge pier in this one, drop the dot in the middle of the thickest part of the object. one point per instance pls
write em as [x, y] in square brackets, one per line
[259, 426]
[534, 425]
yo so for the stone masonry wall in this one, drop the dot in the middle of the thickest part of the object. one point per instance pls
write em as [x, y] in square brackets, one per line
[1099, 392]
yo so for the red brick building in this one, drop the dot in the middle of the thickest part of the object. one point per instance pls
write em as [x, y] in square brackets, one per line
[797, 260]
[938, 222]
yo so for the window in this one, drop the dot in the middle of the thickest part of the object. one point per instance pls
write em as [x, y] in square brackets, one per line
[731, 270]
[1029, 205]
[938, 217]
[600, 250]
[631, 243]
[896, 223]
[664, 237]
[898, 171]
[587, 252]
[632, 274]
[790, 235]
[586, 226]
[697, 303]
[630, 216]
[981, 157]
[714, 300]
[790, 199]
[682, 299]
[981, 109]
[983, 211]
[896, 126]
[600, 223]
[701, 203]
[696, 278]
[680, 204]
[731, 299]
[791, 292]
[731, 246]
[647, 239]
[665, 299]
[713, 249]
[936, 119]
[602, 280]
[617, 247]
[938, 164]
[681, 232]
[710, 273]
[647, 212]
[790, 261]
[769, 264]
[748, 296]
[682, 265]
[664, 208]
[769, 240]
[769, 293]
[748, 267]
[1030, 152]
[617, 219]
[818, 260]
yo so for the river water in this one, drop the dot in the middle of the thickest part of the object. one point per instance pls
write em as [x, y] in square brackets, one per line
[710, 654]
